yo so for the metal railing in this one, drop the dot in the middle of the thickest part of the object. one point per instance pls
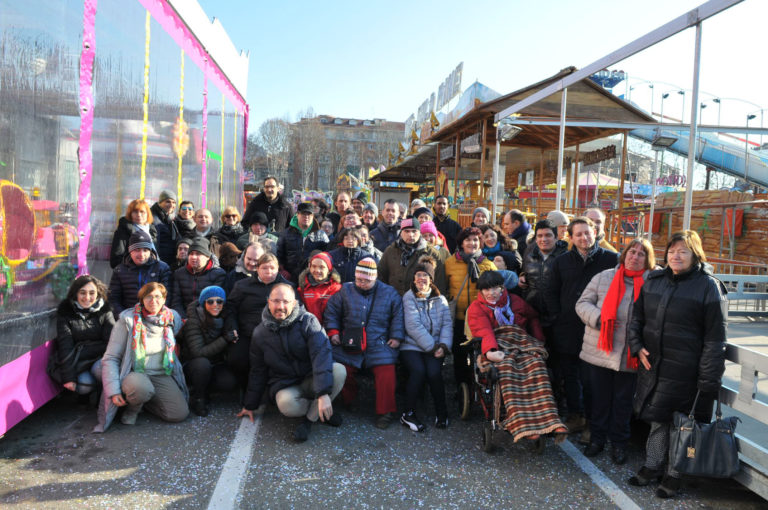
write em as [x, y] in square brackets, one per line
[747, 294]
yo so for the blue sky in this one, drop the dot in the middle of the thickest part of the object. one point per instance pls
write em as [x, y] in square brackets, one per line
[382, 59]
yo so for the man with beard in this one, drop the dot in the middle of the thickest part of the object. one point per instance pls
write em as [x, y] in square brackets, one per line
[370, 216]
[199, 273]
[271, 203]
[445, 225]
[167, 233]
[299, 240]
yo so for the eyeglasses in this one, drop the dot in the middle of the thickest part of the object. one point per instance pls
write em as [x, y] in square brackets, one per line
[214, 301]
[496, 290]
[187, 209]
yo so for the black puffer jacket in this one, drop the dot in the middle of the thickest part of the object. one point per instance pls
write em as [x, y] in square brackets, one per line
[293, 250]
[278, 213]
[202, 335]
[167, 234]
[229, 233]
[187, 286]
[383, 235]
[570, 275]
[285, 353]
[538, 273]
[120, 241]
[450, 230]
[681, 320]
[246, 302]
[128, 278]
[91, 329]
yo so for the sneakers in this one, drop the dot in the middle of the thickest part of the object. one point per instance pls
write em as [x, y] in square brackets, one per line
[302, 430]
[385, 420]
[411, 421]
[441, 423]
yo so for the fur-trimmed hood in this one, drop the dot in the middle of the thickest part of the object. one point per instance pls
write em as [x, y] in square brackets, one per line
[334, 276]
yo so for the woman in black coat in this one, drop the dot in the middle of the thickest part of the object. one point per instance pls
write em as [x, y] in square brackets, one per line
[138, 216]
[678, 332]
[84, 322]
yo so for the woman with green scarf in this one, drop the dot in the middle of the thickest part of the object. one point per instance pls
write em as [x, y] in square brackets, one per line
[140, 369]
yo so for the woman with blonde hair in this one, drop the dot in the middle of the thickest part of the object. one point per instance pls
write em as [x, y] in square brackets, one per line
[138, 216]
[231, 229]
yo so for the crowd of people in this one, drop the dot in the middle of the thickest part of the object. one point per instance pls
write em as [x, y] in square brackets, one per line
[289, 304]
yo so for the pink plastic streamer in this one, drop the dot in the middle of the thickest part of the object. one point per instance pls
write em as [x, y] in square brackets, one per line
[86, 131]
[204, 183]
[246, 113]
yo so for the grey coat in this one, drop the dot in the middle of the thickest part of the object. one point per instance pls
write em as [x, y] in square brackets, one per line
[428, 323]
[588, 308]
[117, 363]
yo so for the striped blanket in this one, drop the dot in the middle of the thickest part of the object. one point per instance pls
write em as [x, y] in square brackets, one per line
[525, 386]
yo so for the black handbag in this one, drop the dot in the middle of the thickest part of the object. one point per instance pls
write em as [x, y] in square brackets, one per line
[353, 338]
[704, 449]
[54, 366]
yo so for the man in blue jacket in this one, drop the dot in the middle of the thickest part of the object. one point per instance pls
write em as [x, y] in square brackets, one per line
[291, 357]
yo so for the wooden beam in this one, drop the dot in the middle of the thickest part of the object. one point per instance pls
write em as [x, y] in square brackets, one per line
[541, 182]
[620, 191]
[437, 170]
[482, 165]
[456, 171]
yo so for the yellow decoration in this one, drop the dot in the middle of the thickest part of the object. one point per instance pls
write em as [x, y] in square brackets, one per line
[181, 134]
[145, 105]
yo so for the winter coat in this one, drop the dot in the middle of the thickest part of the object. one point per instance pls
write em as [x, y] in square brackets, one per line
[128, 278]
[187, 285]
[279, 213]
[455, 272]
[538, 274]
[268, 241]
[428, 323]
[237, 274]
[202, 339]
[400, 277]
[186, 228]
[284, 353]
[589, 307]
[450, 229]
[345, 260]
[570, 275]
[370, 248]
[521, 236]
[167, 234]
[315, 297]
[293, 250]
[120, 241]
[75, 327]
[681, 320]
[118, 362]
[246, 302]
[229, 234]
[482, 320]
[383, 235]
[350, 306]
[335, 218]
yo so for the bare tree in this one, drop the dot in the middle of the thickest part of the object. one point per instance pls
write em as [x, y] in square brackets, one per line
[275, 137]
[308, 147]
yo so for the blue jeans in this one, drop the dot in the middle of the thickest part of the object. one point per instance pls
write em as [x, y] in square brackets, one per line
[89, 380]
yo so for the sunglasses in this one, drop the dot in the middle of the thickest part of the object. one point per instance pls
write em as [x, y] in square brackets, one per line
[214, 301]
[230, 215]
[187, 209]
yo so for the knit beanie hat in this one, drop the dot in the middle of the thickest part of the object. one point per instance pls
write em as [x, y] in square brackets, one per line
[260, 218]
[184, 240]
[428, 227]
[201, 246]
[325, 258]
[165, 195]
[483, 210]
[140, 239]
[423, 210]
[212, 291]
[409, 223]
[427, 265]
[370, 206]
[360, 195]
[366, 269]
[558, 218]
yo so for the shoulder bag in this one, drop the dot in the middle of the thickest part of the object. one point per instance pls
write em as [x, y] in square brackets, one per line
[353, 338]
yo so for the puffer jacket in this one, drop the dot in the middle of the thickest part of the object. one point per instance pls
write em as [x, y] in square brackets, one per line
[284, 353]
[681, 320]
[345, 260]
[400, 277]
[278, 213]
[315, 297]
[428, 323]
[246, 302]
[167, 234]
[187, 285]
[293, 250]
[350, 306]
[570, 275]
[128, 278]
[202, 338]
[455, 272]
[383, 235]
[229, 234]
[538, 273]
[118, 362]
[120, 241]
[450, 230]
[91, 329]
[482, 320]
[370, 248]
[589, 307]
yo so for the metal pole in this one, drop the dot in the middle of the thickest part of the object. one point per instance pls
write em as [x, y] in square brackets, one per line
[653, 195]
[561, 150]
[746, 152]
[693, 132]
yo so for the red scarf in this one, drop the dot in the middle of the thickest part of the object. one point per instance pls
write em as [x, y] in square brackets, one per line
[611, 305]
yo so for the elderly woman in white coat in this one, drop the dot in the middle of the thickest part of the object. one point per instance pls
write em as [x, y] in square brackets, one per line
[428, 338]
[140, 369]
[605, 307]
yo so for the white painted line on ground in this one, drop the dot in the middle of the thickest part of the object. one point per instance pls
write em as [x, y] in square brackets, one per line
[233, 473]
[598, 477]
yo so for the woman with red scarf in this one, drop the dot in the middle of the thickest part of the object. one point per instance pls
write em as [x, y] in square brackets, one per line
[605, 307]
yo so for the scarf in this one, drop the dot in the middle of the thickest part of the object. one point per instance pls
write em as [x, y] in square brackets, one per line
[504, 315]
[492, 252]
[139, 337]
[313, 281]
[471, 261]
[139, 226]
[610, 307]
[231, 231]
[204, 233]
[521, 231]
[295, 224]
[205, 268]
[409, 249]
[84, 312]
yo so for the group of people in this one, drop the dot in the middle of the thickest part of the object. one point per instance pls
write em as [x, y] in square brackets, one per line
[288, 305]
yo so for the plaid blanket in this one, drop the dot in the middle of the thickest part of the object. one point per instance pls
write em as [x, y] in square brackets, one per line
[524, 384]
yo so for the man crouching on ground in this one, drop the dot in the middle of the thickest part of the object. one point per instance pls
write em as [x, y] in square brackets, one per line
[291, 356]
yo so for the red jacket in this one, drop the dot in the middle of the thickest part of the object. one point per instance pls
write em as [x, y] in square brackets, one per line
[315, 297]
[482, 321]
